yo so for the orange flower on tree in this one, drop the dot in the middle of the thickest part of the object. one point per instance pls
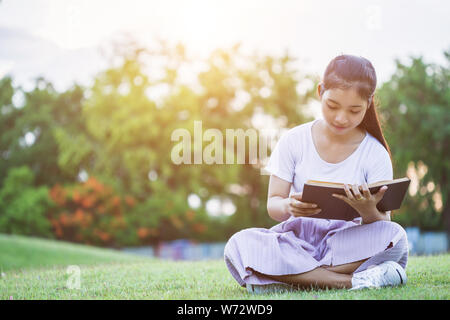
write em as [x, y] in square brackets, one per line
[88, 202]
[130, 201]
[58, 194]
[143, 233]
[55, 223]
[101, 209]
[190, 215]
[95, 185]
[82, 218]
[76, 196]
[118, 223]
[79, 216]
[115, 201]
[87, 220]
[65, 219]
[104, 236]
[199, 227]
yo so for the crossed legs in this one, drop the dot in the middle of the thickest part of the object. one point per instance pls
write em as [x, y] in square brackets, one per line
[323, 277]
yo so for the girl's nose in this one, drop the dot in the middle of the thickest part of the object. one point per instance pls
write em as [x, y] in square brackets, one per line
[341, 120]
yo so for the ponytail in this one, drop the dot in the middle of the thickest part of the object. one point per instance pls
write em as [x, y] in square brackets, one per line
[372, 125]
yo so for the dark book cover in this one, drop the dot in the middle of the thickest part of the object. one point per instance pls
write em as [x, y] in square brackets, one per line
[320, 193]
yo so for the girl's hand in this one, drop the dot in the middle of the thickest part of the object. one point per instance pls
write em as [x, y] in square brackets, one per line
[365, 203]
[295, 207]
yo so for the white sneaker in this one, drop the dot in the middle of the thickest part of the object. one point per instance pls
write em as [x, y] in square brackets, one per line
[268, 288]
[388, 273]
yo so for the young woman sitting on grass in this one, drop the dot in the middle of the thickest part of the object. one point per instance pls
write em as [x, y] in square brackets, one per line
[347, 145]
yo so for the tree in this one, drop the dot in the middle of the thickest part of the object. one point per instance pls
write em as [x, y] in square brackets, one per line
[23, 207]
[127, 132]
[28, 128]
[415, 110]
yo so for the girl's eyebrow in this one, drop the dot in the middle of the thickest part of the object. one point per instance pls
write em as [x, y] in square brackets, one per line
[339, 104]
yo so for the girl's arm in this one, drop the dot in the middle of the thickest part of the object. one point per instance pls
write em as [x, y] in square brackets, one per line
[278, 198]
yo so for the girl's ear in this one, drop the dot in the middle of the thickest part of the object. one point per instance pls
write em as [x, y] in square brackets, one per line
[321, 89]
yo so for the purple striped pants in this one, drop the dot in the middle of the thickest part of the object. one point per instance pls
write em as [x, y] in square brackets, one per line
[302, 244]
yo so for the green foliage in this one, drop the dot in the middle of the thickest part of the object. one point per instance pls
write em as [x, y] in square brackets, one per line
[415, 111]
[165, 217]
[27, 127]
[128, 134]
[119, 130]
[23, 206]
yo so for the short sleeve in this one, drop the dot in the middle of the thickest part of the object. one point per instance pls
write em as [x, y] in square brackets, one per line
[282, 160]
[380, 166]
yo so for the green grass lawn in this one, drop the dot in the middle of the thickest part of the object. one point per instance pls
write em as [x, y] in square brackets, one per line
[37, 269]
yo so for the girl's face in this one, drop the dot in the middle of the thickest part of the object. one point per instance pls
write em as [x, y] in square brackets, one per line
[343, 110]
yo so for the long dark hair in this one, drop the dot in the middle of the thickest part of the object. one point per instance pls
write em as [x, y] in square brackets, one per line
[347, 71]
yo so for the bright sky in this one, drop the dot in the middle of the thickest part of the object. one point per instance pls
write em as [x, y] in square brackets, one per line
[313, 31]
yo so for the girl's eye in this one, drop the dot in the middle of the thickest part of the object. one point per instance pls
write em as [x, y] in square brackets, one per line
[332, 108]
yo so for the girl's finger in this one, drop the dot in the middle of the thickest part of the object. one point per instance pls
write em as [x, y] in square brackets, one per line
[302, 213]
[299, 204]
[310, 210]
[348, 192]
[381, 192]
[355, 189]
[297, 195]
[366, 190]
[339, 196]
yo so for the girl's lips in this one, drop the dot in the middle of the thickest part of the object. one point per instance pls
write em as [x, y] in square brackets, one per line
[339, 128]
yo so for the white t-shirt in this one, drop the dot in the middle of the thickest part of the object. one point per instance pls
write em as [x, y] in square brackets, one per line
[296, 160]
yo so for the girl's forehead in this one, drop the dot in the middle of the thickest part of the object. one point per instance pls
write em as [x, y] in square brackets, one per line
[344, 95]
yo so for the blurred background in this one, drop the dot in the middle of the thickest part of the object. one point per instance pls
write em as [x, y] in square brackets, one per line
[91, 92]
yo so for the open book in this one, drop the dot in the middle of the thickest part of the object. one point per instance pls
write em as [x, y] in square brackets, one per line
[320, 193]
